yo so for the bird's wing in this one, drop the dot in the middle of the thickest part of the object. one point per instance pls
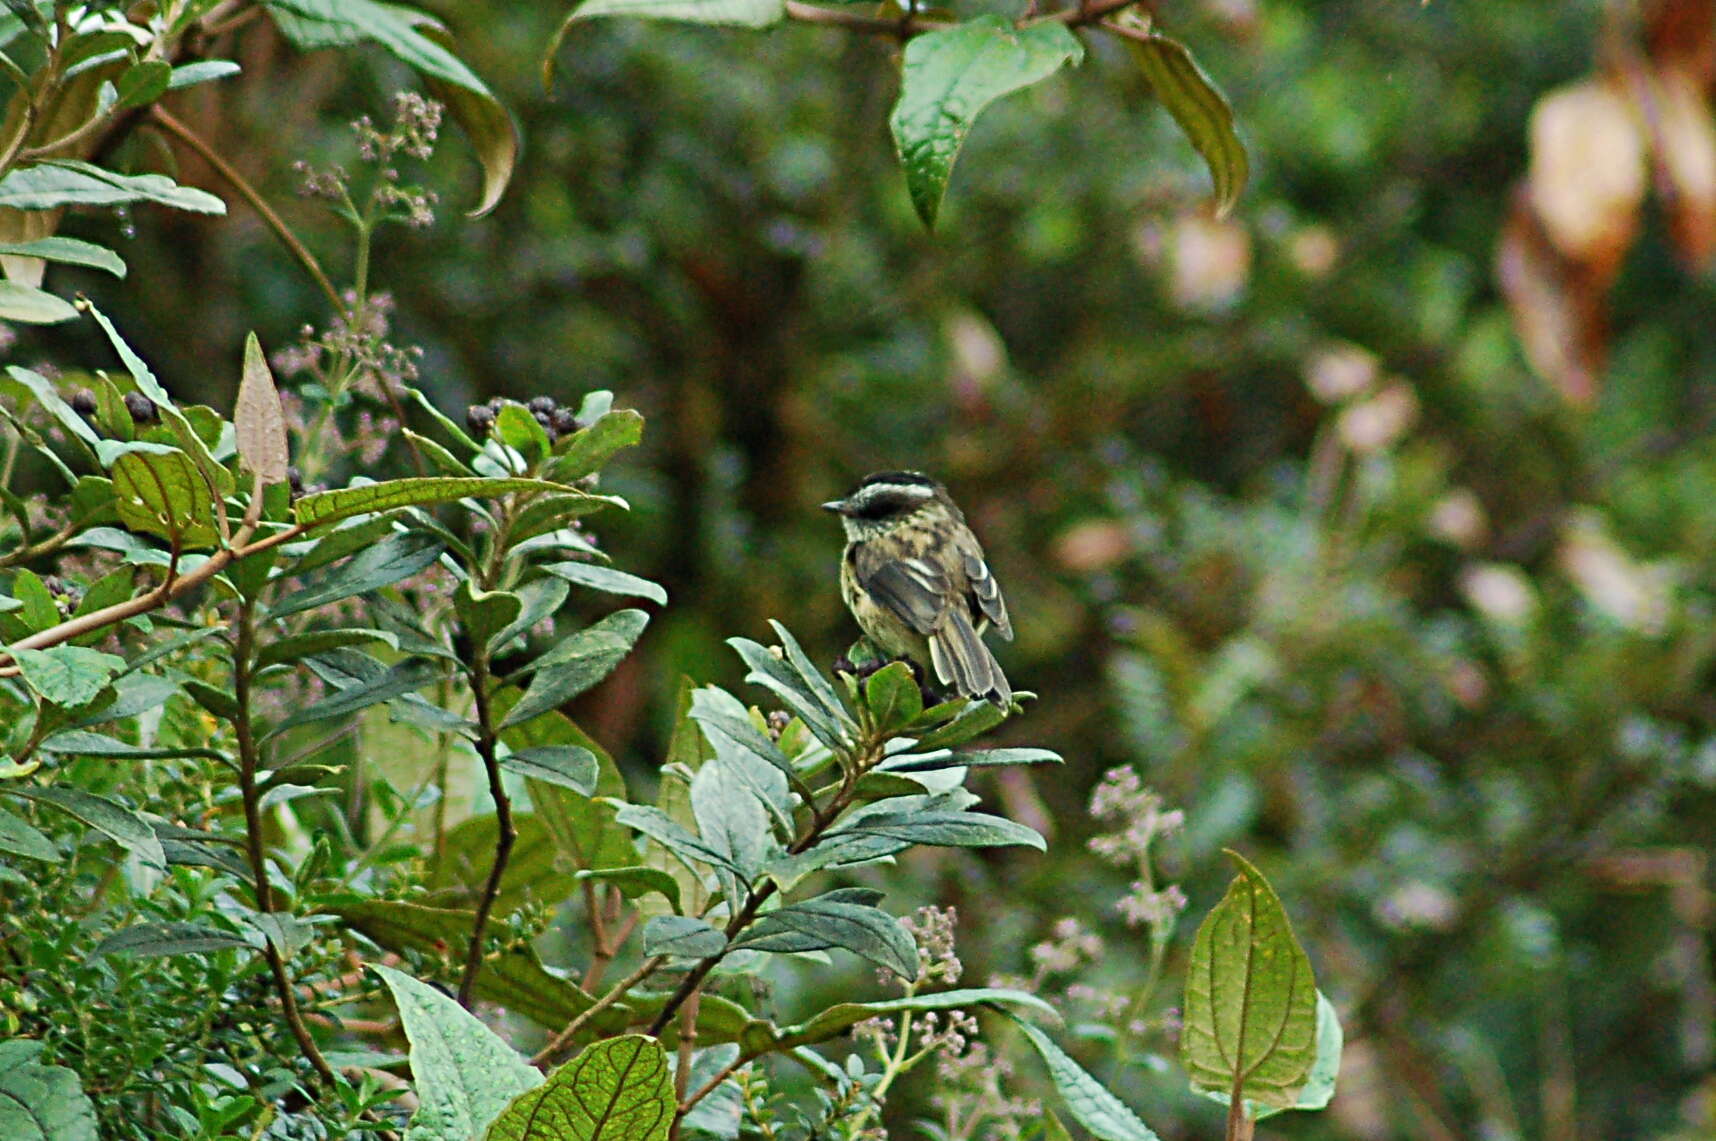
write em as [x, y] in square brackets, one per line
[915, 590]
[986, 592]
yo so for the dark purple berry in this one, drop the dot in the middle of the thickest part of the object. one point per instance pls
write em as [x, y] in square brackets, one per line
[142, 409]
[83, 402]
[295, 480]
[479, 418]
[546, 419]
[541, 404]
[563, 422]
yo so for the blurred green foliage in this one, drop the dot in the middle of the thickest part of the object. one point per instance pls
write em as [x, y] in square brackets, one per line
[1436, 651]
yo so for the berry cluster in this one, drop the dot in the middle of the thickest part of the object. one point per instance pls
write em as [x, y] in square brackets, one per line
[142, 409]
[556, 419]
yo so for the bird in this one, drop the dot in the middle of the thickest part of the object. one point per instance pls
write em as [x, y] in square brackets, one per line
[915, 579]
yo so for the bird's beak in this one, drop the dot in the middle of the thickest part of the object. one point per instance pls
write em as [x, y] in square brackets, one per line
[838, 506]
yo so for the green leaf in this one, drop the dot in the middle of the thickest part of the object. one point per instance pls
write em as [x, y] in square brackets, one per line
[533, 872]
[636, 882]
[541, 598]
[1251, 1002]
[977, 718]
[584, 829]
[616, 1090]
[915, 762]
[381, 564]
[32, 306]
[607, 579]
[68, 251]
[82, 743]
[142, 83]
[415, 491]
[41, 1103]
[258, 421]
[817, 924]
[69, 182]
[809, 676]
[725, 722]
[463, 1073]
[148, 939]
[655, 824]
[893, 696]
[161, 491]
[730, 13]
[578, 662]
[286, 931]
[773, 674]
[405, 678]
[1196, 104]
[1089, 1101]
[1319, 1087]
[18, 838]
[202, 71]
[731, 819]
[295, 646]
[587, 450]
[49, 398]
[67, 676]
[118, 823]
[485, 613]
[567, 766]
[941, 829]
[682, 937]
[840, 1018]
[950, 75]
[418, 40]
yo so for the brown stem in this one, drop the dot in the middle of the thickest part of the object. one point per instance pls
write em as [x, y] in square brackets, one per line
[904, 28]
[616, 992]
[682, 1071]
[714, 1083]
[176, 127]
[249, 758]
[506, 831]
[173, 587]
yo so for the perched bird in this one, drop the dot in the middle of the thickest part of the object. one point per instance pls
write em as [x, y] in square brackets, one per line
[913, 576]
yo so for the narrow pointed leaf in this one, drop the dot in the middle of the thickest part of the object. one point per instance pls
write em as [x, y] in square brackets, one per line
[607, 579]
[838, 1019]
[1197, 105]
[1087, 1099]
[415, 491]
[818, 924]
[259, 422]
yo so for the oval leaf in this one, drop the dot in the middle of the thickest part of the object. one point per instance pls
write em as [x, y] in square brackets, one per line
[465, 1074]
[617, 1090]
[1251, 1002]
[950, 75]
[329, 506]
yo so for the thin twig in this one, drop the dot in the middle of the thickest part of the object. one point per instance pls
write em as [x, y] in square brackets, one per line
[614, 993]
[179, 130]
[249, 758]
[714, 1083]
[506, 832]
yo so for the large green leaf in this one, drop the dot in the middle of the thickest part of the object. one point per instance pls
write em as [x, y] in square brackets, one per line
[607, 579]
[1196, 104]
[1319, 1087]
[148, 939]
[70, 251]
[942, 829]
[18, 838]
[419, 40]
[405, 678]
[118, 823]
[377, 565]
[950, 75]
[415, 491]
[578, 662]
[463, 1073]
[68, 182]
[162, 491]
[617, 1090]
[67, 676]
[31, 306]
[41, 1103]
[683, 937]
[818, 924]
[1089, 1101]
[1251, 1001]
[533, 871]
[567, 766]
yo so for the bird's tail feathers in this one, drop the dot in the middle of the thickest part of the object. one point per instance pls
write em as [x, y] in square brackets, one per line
[961, 660]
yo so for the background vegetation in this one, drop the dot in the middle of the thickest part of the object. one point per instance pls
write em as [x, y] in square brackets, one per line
[1370, 525]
